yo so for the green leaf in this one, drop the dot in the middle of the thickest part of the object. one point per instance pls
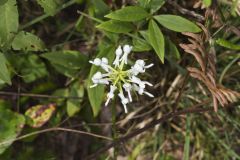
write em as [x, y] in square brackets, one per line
[2, 2]
[28, 42]
[186, 154]
[140, 45]
[100, 8]
[156, 39]
[171, 49]
[4, 72]
[129, 14]
[116, 26]
[30, 66]
[96, 94]
[152, 5]
[67, 58]
[177, 23]
[207, 3]
[227, 44]
[68, 72]
[145, 35]
[49, 6]
[74, 105]
[8, 21]
[67, 62]
[11, 125]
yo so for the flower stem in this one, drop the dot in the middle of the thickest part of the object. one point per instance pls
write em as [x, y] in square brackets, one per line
[114, 128]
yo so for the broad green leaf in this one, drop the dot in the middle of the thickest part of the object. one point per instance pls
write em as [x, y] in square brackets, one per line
[29, 66]
[177, 23]
[68, 72]
[156, 39]
[67, 58]
[67, 62]
[207, 3]
[49, 6]
[38, 115]
[8, 21]
[96, 94]
[28, 42]
[129, 14]
[74, 105]
[227, 44]
[116, 26]
[2, 2]
[4, 72]
[11, 125]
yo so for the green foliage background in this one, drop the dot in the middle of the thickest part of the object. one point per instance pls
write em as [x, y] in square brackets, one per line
[45, 46]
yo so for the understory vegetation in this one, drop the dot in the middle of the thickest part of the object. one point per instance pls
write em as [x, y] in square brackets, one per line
[119, 79]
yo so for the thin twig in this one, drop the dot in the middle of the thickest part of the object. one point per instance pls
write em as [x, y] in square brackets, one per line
[185, 11]
[37, 95]
[54, 129]
[44, 16]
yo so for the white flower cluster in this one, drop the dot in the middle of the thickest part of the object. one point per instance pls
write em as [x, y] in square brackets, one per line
[120, 79]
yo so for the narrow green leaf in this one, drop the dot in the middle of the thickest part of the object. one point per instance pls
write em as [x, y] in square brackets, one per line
[116, 26]
[49, 6]
[8, 21]
[11, 125]
[177, 23]
[28, 42]
[187, 139]
[96, 94]
[227, 44]
[171, 49]
[156, 39]
[129, 14]
[4, 72]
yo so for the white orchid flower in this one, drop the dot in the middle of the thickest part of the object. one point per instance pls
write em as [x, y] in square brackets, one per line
[118, 53]
[124, 101]
[125, 81]
[126, 51]
[128, 87]
[110, 94]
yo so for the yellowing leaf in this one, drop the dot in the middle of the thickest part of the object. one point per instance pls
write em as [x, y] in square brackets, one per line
[38, 115]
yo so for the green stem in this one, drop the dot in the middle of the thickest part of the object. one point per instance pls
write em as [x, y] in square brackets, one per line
[114, 128]
[44, 16]
[227, 68]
